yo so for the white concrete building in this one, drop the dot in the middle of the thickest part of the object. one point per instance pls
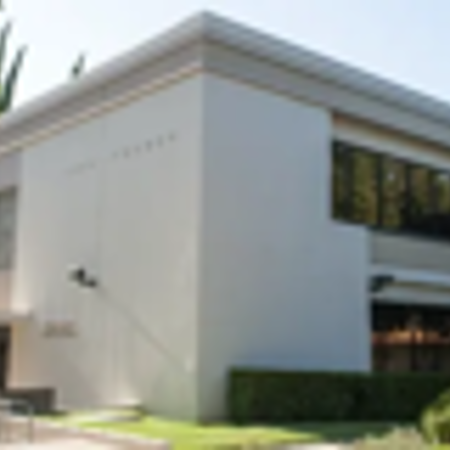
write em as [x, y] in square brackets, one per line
[219, 198]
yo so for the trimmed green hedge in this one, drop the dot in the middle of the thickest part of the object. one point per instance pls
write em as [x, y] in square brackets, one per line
[256, 395]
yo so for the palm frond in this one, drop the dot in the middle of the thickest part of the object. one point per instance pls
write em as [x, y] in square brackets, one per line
[79, 67]
[10, 82]
[4, 38]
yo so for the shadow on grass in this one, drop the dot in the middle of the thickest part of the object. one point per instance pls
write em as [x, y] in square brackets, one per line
[346, 432]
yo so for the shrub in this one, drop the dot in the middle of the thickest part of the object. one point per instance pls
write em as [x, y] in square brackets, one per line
[401, 439]
[288, 396]
[435, 421]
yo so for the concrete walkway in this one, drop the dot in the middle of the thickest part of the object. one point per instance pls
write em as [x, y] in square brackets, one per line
[83, 444]
[72, 444]
[49, 436]
[62, 444]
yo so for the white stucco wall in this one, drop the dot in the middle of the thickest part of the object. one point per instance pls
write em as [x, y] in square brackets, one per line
[204, 211]
[281, 284]
[9, 183]
[5, 292]
[118, 195]
[10, 170]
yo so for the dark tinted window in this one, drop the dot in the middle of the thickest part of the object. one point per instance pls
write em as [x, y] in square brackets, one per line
[389, 193]
[364, 188]
[419, 200]
[441, 190]
[392, 193]
[341, 182]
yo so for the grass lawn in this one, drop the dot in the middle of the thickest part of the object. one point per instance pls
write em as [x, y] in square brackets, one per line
[190, 436]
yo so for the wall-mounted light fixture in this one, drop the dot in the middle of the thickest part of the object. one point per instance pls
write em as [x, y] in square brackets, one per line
[83, 278]
[380, 282]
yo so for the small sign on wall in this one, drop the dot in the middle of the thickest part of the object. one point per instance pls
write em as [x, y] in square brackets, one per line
[59, 329]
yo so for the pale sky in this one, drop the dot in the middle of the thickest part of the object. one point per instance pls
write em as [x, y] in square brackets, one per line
[407, 41]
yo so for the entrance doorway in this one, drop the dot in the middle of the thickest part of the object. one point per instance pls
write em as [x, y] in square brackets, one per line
[5, 341]
[410, 338]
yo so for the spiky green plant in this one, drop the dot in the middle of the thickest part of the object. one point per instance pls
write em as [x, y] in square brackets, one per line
[79, 67]
[9, 73]
[10, 70]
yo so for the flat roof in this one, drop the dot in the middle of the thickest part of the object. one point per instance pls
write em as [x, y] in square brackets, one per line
[199, 43]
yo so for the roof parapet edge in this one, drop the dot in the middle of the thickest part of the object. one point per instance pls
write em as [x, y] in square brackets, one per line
[295, 57]
[155, 48]
[210, 26]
